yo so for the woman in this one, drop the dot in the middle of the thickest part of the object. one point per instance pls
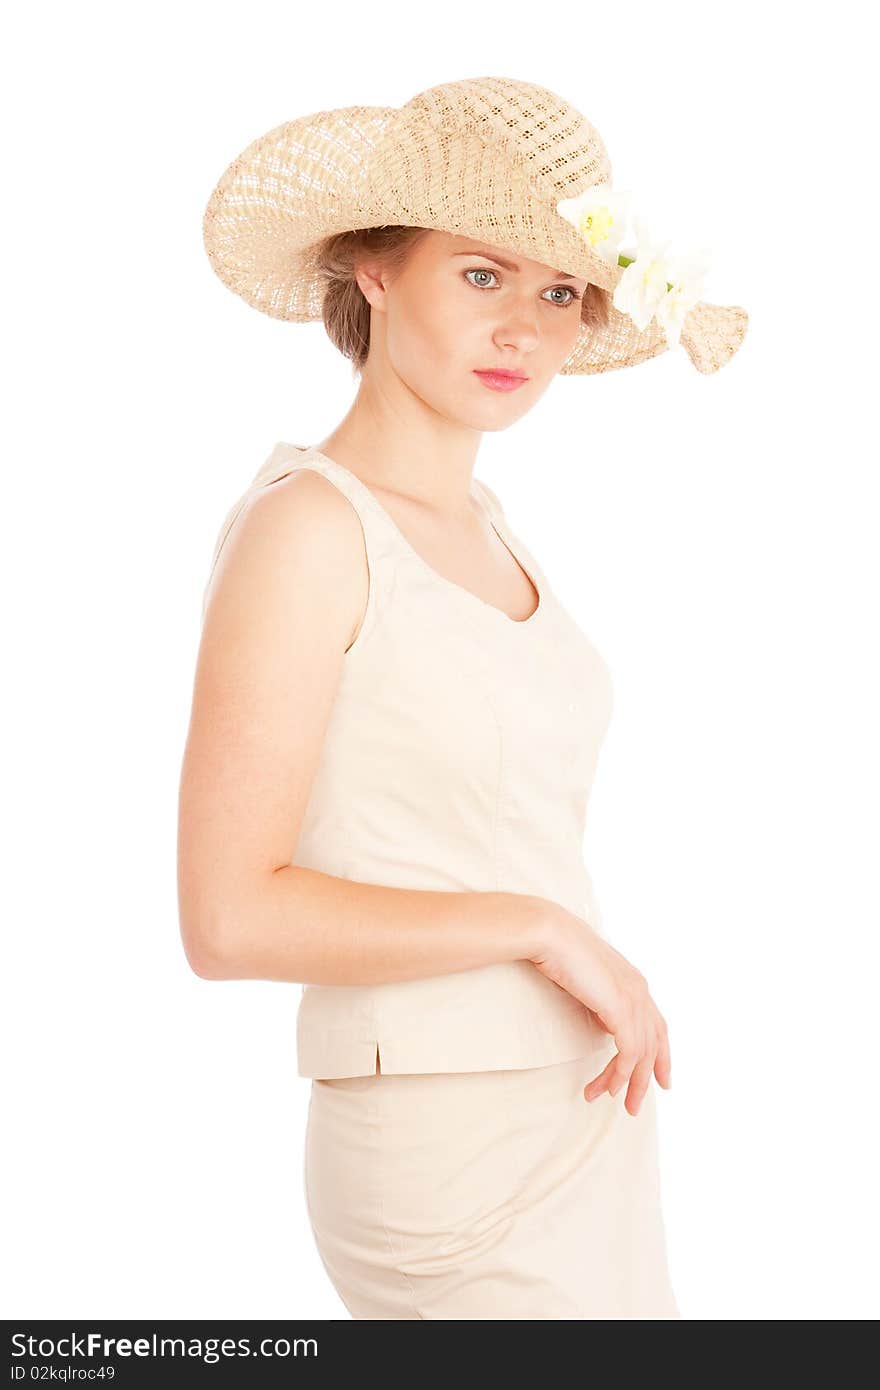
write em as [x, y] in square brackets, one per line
[395, 724]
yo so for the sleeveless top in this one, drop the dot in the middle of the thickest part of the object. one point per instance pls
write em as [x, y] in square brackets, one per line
[459, 757]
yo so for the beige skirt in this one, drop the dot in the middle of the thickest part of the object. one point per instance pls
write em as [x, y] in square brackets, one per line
[487, 1194]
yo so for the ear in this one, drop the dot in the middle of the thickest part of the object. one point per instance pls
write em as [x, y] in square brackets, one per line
[371, 279]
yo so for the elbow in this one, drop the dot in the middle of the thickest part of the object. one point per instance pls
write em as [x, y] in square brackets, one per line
[205, 962]
[205, 947]
[204, 957]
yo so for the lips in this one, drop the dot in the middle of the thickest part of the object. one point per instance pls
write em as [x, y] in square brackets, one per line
[501, 380]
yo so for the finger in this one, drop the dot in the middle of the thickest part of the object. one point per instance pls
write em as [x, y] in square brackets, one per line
[638, 1085]
[611, 1025]
[663, 1063]
[640, 1051]
[599, 1083]
[623, 1065]
[609, 1076]
[618, 1068]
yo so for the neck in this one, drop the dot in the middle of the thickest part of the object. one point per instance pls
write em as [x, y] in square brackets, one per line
[406, 449]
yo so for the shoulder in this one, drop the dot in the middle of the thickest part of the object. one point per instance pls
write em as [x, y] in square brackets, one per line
[305, 507]
[297, 539]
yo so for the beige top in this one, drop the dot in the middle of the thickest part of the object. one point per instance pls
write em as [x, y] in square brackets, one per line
[459, 757]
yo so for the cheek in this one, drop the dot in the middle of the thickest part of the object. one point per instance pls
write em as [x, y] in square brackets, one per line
[573, 327]
[429, 332]
[561, 338]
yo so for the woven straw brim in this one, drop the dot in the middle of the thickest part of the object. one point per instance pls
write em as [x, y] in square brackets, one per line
[430, 164]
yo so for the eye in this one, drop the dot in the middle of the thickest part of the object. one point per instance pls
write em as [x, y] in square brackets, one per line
[560, 303]
[575, 294]
[479, 270]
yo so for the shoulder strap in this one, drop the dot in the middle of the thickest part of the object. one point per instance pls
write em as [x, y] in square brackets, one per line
[513, 539]
[495, 509]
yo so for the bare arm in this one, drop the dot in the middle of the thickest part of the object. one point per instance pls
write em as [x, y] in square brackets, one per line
[286, 600]
[313, 927]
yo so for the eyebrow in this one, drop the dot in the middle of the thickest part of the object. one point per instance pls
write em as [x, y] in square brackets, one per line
[508, 265]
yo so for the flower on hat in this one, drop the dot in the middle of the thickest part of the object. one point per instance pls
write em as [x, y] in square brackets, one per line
[686, 280]
[656, 283]
[599, 216]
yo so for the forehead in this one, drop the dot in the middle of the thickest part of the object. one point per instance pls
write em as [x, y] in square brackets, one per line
[456, 245]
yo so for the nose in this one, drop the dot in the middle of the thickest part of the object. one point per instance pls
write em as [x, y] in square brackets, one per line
[518, 329]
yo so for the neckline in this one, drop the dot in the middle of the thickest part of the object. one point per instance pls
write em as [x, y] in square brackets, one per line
[505, 537]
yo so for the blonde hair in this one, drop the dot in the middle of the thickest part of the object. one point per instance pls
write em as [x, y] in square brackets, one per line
[345, 310]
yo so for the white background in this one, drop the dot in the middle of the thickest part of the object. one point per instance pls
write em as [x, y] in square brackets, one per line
[715, 535]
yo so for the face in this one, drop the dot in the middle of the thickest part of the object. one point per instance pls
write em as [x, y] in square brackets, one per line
[460, 307]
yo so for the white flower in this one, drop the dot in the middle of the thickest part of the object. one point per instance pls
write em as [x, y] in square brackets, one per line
[686, 276]
[599, 216]
[656, 283]
[644, 284]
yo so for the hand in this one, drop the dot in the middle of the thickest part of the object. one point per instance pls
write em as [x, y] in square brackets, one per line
[573, 955]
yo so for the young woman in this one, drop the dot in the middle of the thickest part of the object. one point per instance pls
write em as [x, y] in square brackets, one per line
[395, 724]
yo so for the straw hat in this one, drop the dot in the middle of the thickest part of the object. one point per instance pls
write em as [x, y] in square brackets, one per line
[489, 158]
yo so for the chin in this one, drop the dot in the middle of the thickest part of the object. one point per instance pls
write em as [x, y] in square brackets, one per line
[489, 420]
[499, 411]
[494, 426]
